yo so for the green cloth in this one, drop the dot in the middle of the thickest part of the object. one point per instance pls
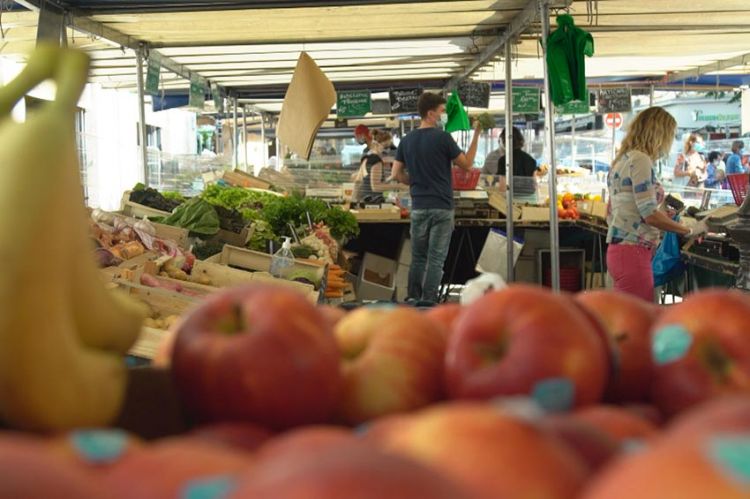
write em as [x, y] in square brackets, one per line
[567, 47]
[457, 117]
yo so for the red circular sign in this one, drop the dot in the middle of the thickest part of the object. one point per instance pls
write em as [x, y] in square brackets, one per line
[613, 120]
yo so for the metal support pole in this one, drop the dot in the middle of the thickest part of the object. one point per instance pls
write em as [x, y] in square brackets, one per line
[264, 156]
[509, 156]
[573, 143]
[142, 114]
[235, 135]
[244, 136]
[651, 96]
[549, 129]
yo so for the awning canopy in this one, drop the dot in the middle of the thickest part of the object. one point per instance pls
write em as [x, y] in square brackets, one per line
[252, 46]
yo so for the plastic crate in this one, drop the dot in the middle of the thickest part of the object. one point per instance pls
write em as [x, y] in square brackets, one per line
[738, 183]
[465, 181]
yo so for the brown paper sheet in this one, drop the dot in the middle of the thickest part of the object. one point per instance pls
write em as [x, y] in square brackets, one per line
[307, 103]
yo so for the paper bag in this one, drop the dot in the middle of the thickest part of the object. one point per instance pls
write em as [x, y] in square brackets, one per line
[307, 103]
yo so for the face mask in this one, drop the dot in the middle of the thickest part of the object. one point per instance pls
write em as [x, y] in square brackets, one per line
[700, 147]
[443, 119]
[361, 141]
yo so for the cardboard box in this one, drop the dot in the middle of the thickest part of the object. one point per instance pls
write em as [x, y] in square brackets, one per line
[377, 278]
[599, 209]
[535, 214]
[498, 201]
[404, 255]
[402, 283]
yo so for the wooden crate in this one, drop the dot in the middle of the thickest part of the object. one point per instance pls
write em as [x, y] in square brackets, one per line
[377, 214]
[535, 214]
[136, 210]
[499, 201]
[599, 210]
[259, 262]
[176, 234]
[241, 179]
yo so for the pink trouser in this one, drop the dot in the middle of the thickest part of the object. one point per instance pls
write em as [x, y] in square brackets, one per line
[630, 268]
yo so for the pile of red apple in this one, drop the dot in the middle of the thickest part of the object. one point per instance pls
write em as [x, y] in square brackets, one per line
[523, 394]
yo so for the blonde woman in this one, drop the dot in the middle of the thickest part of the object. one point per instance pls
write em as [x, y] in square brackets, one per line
[690, 167]
[635, 222]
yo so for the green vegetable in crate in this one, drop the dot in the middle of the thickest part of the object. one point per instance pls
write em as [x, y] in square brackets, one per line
[262, 233]
[62, 334]
[195, 215]
[302, 251]
[308, 276]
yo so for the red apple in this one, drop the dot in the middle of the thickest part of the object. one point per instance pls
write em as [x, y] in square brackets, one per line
[701, 349]
[344, 470]
[308, 440]
[726, 414]
[29, 469]
[486, 449]
[392, 362]
[446, 315]
[526, 340]
[240, 436]
[619, 423]
[649, 412]
[593, 446]
[628, 322]
[260, 354]
[170, 467]
[691, 468]
[332, 314]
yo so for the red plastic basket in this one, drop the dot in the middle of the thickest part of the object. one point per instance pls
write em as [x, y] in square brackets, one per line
[465, 181]
[738, 183]
[570, 279]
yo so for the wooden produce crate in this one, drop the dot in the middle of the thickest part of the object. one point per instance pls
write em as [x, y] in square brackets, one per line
[535, 214]
[377, 214]
[499, 201]
[599, 210]
[260, 262]
[239, 178]
[170, 233]
[135, 210]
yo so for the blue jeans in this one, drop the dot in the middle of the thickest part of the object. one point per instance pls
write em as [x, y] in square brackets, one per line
[431, 232]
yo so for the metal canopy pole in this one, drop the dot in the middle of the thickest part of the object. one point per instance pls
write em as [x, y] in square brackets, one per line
[244, 136]
[142, 114]
[549, 129]
[264, 156]
[235, 134]
[509, 157]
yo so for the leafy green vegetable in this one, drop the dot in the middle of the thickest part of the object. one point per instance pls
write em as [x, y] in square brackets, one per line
[243, 200]
[262, 233]
[174, 196]
[280, 212]
[195, 215]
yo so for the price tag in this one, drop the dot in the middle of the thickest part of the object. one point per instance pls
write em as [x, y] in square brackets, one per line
[526, 100]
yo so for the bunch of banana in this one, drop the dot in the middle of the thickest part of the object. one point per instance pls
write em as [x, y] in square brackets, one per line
[62, 334]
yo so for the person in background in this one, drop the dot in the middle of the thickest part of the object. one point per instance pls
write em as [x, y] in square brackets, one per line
[524, 166]
[369, 180]
[634, 219]
[424, 160]
[690, 167]
[734, 160]
[364, 138]
[715, 177]
[490, 162]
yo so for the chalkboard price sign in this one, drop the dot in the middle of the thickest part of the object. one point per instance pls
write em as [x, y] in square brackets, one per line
[474, 94]
[573, 107]
[614, 100]
[526, 100]
[404, 101]
[351, 103]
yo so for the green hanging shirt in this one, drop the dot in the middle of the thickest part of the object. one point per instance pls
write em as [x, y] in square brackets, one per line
[567, 47]
[457, 117]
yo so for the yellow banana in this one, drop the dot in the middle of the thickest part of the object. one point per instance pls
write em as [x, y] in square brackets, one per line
[59, 368]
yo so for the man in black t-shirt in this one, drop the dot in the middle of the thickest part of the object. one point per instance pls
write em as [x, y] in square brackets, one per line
[423, 161]
[524, 166]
